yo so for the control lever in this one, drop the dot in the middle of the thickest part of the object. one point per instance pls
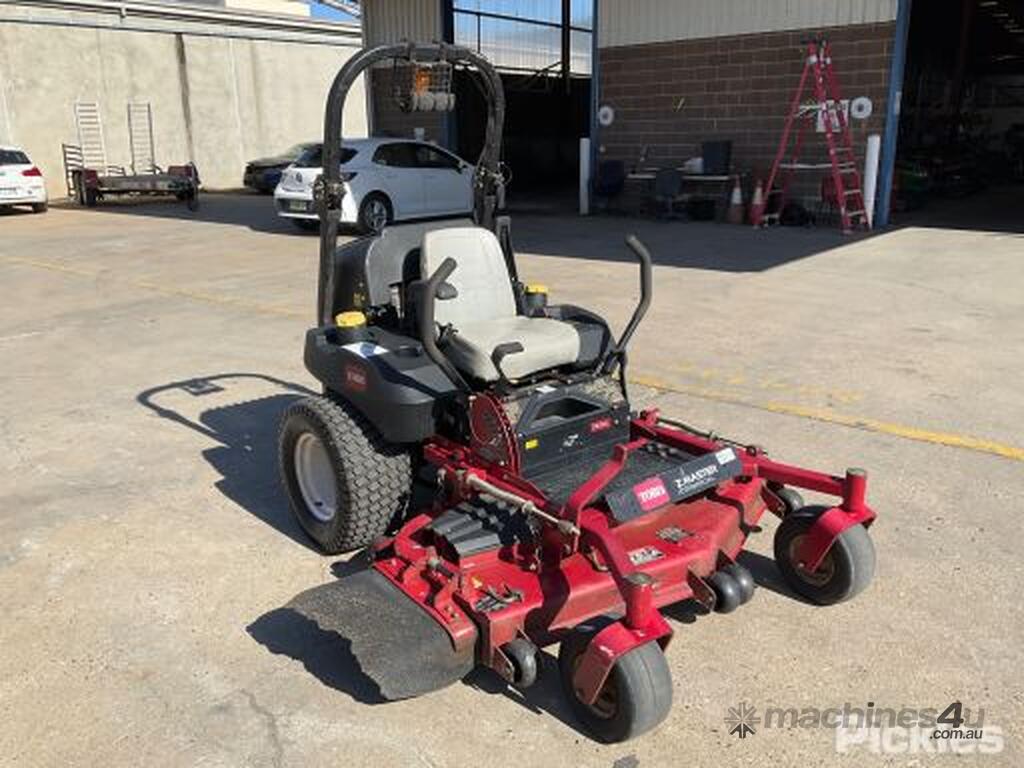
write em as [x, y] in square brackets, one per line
[428, 293]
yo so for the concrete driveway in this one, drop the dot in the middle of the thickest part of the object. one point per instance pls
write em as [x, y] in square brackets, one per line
[146, 353]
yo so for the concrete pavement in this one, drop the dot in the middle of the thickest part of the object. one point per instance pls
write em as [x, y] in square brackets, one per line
[144, 540]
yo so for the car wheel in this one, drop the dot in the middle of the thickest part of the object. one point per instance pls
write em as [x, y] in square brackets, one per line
[374, 213]
[39, 208]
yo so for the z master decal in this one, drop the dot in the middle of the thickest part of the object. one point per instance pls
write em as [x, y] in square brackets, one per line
[675, 484]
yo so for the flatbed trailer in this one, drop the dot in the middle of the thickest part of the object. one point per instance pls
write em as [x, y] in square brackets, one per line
[89, 181]
[90, 186]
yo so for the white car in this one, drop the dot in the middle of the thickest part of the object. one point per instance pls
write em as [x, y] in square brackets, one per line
[21, 183]
[386, 180]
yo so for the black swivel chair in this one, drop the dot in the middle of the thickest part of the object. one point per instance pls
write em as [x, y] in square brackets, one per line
[668, 192]
[610, 181]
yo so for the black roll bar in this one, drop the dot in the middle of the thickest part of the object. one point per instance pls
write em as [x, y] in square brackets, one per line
[329, 188]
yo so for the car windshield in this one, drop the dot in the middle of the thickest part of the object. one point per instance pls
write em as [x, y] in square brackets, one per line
[13, 157]
[312, 157]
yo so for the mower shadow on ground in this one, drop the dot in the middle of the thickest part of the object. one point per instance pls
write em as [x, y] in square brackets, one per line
[246, 435]
[766, 574]
[325, 654]
[544, 697]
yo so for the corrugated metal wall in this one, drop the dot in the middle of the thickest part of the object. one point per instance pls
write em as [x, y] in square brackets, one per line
[628, 22]
[387, 21]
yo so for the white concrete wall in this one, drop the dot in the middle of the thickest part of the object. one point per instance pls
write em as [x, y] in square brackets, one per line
[217, 101]
[629, 22]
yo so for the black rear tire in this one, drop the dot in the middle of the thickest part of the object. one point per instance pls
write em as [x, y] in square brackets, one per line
[39, 207]
[372, 479]
[636, 697]
[846, 570]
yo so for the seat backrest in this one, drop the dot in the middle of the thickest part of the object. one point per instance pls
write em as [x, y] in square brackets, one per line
[481, 279]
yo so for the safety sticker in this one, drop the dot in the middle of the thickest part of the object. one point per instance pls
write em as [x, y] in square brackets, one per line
[365, 349]
[645, 555]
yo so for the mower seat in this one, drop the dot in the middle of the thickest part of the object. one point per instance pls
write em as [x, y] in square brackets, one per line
[482, 314]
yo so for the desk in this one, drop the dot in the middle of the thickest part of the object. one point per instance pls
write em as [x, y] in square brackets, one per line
[644, 179]
[696, 177]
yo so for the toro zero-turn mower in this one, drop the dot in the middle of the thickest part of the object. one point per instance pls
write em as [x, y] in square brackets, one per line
[553, 512]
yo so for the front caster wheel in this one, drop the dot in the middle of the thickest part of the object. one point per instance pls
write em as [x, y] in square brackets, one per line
[846, 570]
[635, 698]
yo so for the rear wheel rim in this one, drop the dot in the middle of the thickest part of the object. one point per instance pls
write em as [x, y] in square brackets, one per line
[376, 214]
[315, 476]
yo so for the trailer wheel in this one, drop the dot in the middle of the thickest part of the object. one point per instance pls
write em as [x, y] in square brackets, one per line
[346, 484]
[846, 570]
[90, 197]
[636, 697]
[192, 200]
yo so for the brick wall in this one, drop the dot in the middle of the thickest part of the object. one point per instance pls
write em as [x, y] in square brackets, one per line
[389, 120]
[736, 88]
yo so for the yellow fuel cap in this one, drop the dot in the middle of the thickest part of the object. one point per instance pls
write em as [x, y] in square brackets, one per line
[536, 288]
[350, 319]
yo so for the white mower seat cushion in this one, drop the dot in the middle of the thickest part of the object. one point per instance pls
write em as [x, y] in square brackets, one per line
[546, 344]
[483, 314]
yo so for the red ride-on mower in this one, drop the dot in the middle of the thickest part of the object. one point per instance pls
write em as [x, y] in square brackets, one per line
[554, 512]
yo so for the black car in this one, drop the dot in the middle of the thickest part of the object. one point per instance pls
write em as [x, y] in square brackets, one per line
[263, 174]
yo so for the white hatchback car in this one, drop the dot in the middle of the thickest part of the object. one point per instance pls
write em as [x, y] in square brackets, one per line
[21, 183]
[386, 180]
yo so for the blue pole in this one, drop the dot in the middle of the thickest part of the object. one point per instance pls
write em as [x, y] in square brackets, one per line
[595, 96]
[887, 166]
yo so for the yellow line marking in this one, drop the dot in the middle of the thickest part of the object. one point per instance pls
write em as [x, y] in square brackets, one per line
[950, 439]
[209, 298]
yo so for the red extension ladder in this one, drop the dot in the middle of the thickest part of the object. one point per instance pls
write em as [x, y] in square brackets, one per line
[848, 195]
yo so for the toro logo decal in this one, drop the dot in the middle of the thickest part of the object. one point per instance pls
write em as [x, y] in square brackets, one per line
[355, 377]
[651, 493]
[600, 425]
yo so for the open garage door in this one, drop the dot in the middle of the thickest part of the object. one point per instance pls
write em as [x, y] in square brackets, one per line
[960, 160]
[543, 50]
